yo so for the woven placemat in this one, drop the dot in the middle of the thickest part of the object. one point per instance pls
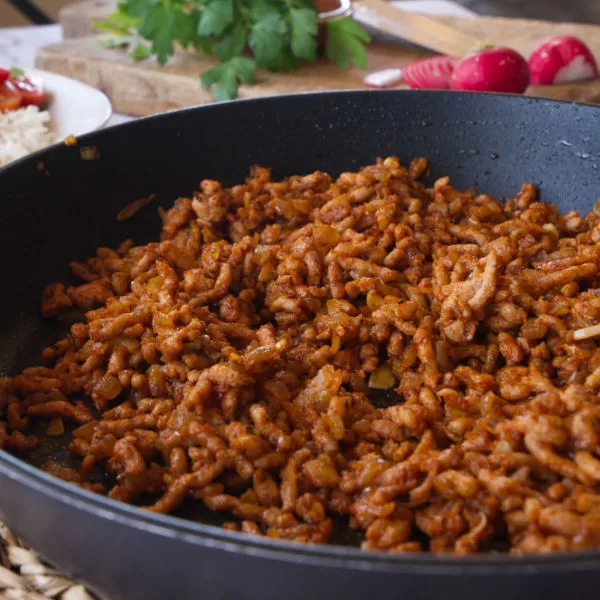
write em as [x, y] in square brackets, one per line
[24, 576]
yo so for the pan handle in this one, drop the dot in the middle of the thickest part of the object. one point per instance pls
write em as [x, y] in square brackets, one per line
[343, 10]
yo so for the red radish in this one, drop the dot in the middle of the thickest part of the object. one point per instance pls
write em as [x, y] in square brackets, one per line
[491, 70]
[4, 74]
[562, 59]
[430, 73]
[383, 79]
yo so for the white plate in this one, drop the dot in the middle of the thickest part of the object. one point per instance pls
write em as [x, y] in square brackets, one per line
[75, 108]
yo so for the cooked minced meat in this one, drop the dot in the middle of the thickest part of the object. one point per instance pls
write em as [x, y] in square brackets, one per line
[239, 363]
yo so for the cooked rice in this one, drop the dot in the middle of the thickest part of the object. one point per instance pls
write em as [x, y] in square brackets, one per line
[23, 131]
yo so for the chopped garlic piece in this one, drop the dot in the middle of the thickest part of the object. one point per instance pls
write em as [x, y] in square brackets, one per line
[586, 332]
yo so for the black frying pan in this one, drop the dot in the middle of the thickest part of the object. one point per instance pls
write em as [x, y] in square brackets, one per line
[46, 220]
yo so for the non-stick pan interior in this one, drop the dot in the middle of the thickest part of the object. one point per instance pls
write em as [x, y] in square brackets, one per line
[57, 207]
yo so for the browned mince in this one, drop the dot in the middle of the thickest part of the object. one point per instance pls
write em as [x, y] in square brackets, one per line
[239, 361]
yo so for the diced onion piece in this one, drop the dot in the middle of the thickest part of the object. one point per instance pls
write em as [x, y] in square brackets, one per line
[325, 235]
[383, 79]
[56, 427]
[208, 236]
[336, 343]
[374, 299]
[85, 431]
[89, 153]
[586, 332]
[383, 378]
[551, 229]
[155, 284]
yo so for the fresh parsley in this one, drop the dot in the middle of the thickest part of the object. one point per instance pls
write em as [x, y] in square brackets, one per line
[141, 51]
[346, 43]
[244, 35]
[226, 78]
[216, 18]
[303, 30]
[111, 40]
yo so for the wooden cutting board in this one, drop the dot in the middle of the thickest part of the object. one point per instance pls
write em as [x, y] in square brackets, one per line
[143, 88]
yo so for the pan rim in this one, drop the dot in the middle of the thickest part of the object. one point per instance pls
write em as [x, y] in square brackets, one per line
[327, 555]
[344, 557]
[47, 151]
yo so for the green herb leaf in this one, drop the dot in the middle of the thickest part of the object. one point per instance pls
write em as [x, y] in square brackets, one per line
[163, 24]
[216, 18]
[210, 77]
[106, 27]
[351, 28]
[280, 33]
[245, 69]
[141, 52]
[204, 45]
[123, 20]
[156, 27]
[136, 8]
[118, 23]
[233, 42]
[345, 43]
[185, 27]
[226, 78]
[16, 72]
[264, 9]
[227, 86]
[110, 41]
[304, 29]
[268, 40]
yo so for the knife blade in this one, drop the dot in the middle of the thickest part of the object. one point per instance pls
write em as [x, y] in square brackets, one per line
[419, 29]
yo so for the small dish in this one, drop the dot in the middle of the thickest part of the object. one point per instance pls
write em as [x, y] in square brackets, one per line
[75, 108]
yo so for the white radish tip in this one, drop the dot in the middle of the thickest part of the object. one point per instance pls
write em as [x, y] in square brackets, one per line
[579, 69]
[383, 79]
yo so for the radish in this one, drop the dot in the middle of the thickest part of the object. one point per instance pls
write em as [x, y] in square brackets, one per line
[491, 70]
[562, 59]
[430, 73]
[383, 79]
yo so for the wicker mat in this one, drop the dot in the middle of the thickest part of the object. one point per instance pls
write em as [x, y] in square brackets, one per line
[23, 576]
